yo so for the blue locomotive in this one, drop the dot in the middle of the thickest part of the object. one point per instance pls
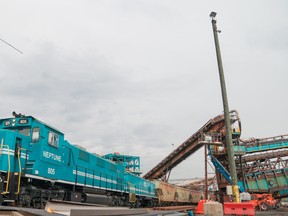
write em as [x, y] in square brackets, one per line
[37, 164]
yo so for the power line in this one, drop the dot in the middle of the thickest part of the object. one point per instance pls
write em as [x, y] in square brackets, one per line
[11, 45]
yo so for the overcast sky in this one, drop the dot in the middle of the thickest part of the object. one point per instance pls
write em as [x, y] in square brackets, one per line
[140, 77]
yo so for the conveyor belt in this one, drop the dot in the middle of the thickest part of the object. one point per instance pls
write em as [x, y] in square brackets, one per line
[263, 155]
[261, 145]
[189, 146]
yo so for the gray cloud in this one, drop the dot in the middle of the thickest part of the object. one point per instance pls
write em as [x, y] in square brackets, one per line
[138, 76]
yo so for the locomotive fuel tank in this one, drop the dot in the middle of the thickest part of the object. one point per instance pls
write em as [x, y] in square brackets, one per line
[98, 198]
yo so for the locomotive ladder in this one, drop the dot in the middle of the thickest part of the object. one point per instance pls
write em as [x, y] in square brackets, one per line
[6, 182]
[9, 182]
[20, 169]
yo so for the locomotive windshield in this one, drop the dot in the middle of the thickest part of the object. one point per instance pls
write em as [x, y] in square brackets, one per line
[21, 130]
[22, 126]
[24, 131]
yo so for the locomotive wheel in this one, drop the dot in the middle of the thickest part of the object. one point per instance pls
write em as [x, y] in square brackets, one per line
[37, 204]
[151, 204]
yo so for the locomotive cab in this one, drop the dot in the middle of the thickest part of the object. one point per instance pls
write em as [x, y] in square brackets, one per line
[23, 139]
[14, 138]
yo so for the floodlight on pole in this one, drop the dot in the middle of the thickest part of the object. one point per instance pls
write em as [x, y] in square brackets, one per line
[213, 15]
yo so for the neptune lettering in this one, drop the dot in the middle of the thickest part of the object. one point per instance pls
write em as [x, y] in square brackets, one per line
[52, 156]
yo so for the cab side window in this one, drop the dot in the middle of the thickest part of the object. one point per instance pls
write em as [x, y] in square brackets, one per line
[35, 134]
[53, 139]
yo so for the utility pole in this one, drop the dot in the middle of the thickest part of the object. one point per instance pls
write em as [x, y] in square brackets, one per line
[230, 149]
[206, 172]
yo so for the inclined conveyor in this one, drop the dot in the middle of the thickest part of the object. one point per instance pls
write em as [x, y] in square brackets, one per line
[188, 147]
